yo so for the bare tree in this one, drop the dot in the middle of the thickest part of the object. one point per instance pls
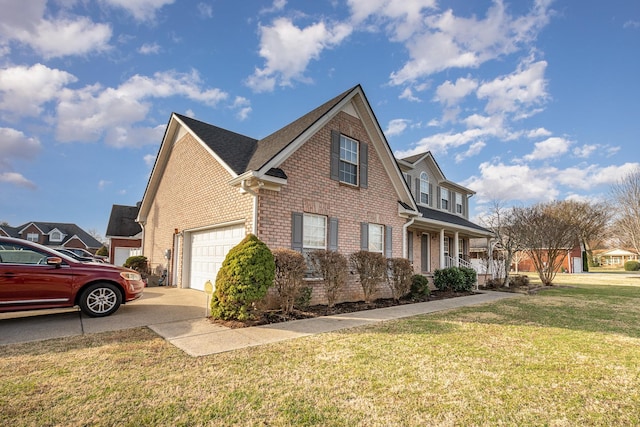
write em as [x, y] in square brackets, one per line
[500, 222]
[626, 198]
[94, 233]
[591, 222]
[546, 232]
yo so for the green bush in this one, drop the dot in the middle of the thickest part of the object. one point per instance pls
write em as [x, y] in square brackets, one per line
[470, 278]
[138, 263]
[246, 274]
[399, 272]
[371, 268]
[103, 251]
[332, 267]
[632, 266]
[449, 279]
[419, 286]
[290, 269]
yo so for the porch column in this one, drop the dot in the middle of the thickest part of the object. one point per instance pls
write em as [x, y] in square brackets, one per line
[442, 260]
[456, 250]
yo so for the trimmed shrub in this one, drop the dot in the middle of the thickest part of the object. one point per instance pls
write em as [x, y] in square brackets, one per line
[519, 281]
[246, 274]
[289, 273]
[371, 268]
[632, 266]
[332, 267]
[470, 278]
[399, 272]
[137, 263]
[449, 279]
[303, 299]
[103, 251]
[419, 286]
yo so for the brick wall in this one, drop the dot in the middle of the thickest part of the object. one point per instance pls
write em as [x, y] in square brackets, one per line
[310, 189]
[193, 193]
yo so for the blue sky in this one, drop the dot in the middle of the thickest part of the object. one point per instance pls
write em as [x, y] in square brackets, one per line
[521, 101]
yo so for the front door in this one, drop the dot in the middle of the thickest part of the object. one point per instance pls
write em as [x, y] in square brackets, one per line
[424, 253]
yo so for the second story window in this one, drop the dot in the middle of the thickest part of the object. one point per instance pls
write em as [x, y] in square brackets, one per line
[32, 237]
[424, 189]
[459, 203]
[348, 160]
[444, 196]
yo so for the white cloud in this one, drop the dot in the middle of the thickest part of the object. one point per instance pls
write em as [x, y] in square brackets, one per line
[149, 160]
[585, 150]
[396, 127]
[243, 107]
[402, 18]
[141, 10]
[288, 50]
[205, 10]
[407, 94]
[517, 91]
[149, 49]
[103, 183]
[549, 148]
[16, 145]
[277, 6]
[93, 112]
[17, 179]
[538, 133]
[444, 41]
[53, 36]
[23, 90]
[451, 93]
[474, 150]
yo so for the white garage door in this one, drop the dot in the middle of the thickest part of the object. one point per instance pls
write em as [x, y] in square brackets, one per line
[208, 250]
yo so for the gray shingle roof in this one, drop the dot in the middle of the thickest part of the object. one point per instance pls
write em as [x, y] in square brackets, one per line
[441, 216]
[69, 230]
[122, 221]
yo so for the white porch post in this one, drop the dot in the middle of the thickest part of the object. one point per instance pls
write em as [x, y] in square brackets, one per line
[442, 261]
[456, 250]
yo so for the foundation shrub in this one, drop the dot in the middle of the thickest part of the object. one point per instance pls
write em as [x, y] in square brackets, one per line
[331, 266]
[470, 278]
[246, 274]
[399, 273]
[289, 275]
[449, 279]
[371, 268]
[420, 286]
[632, 266]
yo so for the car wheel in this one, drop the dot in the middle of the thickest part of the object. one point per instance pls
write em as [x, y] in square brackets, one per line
[100, 299]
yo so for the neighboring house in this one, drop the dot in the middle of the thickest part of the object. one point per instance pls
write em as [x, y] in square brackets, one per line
[615, 257]
[53, 234]
[328, 180]
[124, 233]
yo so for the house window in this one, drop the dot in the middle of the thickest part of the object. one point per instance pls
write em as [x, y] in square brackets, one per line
[376, 238]
[348, 160]
[459, 203]
[32, 237]
[444, 198]
[446, 247]
[424, 188]
[55, 236]
[314, 232]
[461, 248]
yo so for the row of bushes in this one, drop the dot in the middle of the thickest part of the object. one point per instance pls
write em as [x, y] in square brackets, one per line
[250, 268]
[632, 266]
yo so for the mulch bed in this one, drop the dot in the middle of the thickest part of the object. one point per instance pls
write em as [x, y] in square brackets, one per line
[277, 316]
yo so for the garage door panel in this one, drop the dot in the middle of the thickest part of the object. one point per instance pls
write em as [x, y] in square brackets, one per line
[208, 250]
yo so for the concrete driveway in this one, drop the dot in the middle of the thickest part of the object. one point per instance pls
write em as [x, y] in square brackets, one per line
[157, 305]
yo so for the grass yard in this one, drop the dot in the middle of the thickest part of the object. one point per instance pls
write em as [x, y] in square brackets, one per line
[562, 357]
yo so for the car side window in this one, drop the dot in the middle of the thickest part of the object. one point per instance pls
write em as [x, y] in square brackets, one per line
[18, 254]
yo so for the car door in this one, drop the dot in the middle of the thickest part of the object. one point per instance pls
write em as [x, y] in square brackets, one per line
[27, 280]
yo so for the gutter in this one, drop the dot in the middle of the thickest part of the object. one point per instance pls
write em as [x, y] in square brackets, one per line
[254, 224]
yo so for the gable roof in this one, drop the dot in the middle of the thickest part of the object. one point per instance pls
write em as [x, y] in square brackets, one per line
[122, 221]
[70, 231]
[412, 161]
[437, 216]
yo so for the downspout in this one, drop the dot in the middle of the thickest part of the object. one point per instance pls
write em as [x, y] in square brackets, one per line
[405, 227]
[254, 225]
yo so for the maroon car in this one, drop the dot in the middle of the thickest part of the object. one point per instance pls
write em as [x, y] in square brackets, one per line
[33, 277]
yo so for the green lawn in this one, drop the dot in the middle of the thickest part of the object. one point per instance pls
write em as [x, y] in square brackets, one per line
[562, 357]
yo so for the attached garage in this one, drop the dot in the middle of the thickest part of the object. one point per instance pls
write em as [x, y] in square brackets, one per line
[208, 248]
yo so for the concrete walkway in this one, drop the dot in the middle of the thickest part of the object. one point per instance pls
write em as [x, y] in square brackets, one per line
[200, 337]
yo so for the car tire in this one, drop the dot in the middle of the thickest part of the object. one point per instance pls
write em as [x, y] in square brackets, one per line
[100, 299]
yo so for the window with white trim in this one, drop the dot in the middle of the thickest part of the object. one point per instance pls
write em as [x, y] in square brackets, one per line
[348, 160]
[314, 232]
[458, 203]
[424, 189]
[376, 238]
[55, 236]
[444, 198]
[33, 237]
[446, 246]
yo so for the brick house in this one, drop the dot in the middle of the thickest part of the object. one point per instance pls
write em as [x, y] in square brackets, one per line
[123, 233]
[53, 234]
[327, 180]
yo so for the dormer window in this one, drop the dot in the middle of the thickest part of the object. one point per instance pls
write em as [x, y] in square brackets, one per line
[444, 196]
[424, 189]
[55, 236]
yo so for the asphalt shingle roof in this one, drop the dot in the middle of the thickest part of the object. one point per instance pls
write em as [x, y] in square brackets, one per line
[122, 221]
[441, 216]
